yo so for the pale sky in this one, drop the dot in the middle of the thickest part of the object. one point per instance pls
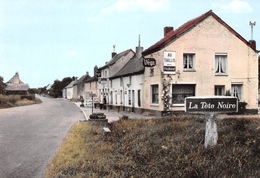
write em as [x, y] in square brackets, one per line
[44, 40]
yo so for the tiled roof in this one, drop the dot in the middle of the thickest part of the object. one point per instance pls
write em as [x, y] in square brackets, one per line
[134, 66]
[173, 35]
[116, 58]
[16, 87]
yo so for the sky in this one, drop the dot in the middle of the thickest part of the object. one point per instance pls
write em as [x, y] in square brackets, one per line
[47, 40]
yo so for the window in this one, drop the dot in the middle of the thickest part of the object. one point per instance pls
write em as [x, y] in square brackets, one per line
[121, 81]
[181, 91]
[188, 61]
[139, 98]
[129, 97]
[111, 83]
[236, 91]
[220, 64]
[151, 72]
[219, 90]
[121, 97]
[155, 94]
[130, 80]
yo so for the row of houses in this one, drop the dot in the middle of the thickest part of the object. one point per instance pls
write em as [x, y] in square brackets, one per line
[203, 57]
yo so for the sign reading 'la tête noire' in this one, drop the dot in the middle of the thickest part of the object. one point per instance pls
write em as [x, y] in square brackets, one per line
[223, 104]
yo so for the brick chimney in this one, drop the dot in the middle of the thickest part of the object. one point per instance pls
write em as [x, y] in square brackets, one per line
[253, 44]
[167, 30]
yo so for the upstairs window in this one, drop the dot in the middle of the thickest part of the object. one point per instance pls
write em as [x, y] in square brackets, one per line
[188, 61]
[151, 72]
[220, 64]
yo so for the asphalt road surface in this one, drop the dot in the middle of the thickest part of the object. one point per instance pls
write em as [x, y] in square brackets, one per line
[30, 136]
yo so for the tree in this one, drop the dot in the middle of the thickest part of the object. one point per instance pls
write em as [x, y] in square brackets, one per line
[58, 86]
[2, 85]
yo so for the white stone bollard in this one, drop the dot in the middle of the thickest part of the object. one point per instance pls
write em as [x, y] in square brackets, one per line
[211, 133]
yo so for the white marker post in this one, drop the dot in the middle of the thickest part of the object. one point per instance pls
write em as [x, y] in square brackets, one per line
[210, 106]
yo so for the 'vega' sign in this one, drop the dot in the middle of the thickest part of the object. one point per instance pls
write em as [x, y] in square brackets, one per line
[223, 104]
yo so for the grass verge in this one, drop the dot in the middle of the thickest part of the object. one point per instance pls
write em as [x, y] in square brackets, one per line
[7, 101]
[159, 148]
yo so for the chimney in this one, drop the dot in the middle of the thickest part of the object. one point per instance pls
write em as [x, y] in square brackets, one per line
[87, 74]
[253, 44]
[138, 49]
[113, 53]
[167, 30]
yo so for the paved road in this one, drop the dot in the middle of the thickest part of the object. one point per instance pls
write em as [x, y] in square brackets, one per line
[30, 136]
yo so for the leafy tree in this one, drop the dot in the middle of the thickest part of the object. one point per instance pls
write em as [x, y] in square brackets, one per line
[2, 85]
[58, 86]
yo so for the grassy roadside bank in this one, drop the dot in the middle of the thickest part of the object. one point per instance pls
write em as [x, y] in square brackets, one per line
[159, 148]
[7, 101]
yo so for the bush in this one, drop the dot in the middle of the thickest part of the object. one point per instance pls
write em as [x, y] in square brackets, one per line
[29, 97]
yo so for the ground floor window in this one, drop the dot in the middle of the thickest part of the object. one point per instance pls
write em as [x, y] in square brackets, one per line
[139, 98]
[219, 90]
[236, 91]
[181, 91]
[155, 94]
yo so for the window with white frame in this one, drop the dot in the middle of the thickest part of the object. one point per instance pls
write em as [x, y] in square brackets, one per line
[219, 90]
[188, 61]
[236, 91]
[155, 94]
[220, 64]
[181, 91]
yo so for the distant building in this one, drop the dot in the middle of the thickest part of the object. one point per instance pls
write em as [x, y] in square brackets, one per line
[16, 87]
[109, 69]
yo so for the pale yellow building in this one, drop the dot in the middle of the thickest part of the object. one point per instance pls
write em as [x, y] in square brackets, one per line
[203, 57]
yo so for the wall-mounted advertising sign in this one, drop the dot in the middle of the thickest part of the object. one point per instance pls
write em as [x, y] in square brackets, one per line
[149, 62]
[169, 66]
[219, 104]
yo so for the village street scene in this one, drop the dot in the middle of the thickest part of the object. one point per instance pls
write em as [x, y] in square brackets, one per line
[186, 105]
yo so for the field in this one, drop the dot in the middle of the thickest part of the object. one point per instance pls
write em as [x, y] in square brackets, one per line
[159, 148]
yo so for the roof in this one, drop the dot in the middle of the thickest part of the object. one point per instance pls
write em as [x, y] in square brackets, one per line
[134, 66]
[92, 79]
[15, 79]
[71, 84]
[81, 79]
[116, 58]
[16, 87]
[173, 35]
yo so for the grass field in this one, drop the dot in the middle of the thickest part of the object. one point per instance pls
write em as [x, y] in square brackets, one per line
[159, 148]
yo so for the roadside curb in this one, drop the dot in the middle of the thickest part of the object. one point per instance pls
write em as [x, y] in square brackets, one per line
[86, 117]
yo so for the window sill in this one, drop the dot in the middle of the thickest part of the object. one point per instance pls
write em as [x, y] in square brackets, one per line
[154, 105]
[178, 105]
[189, 70]
[221, 74]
